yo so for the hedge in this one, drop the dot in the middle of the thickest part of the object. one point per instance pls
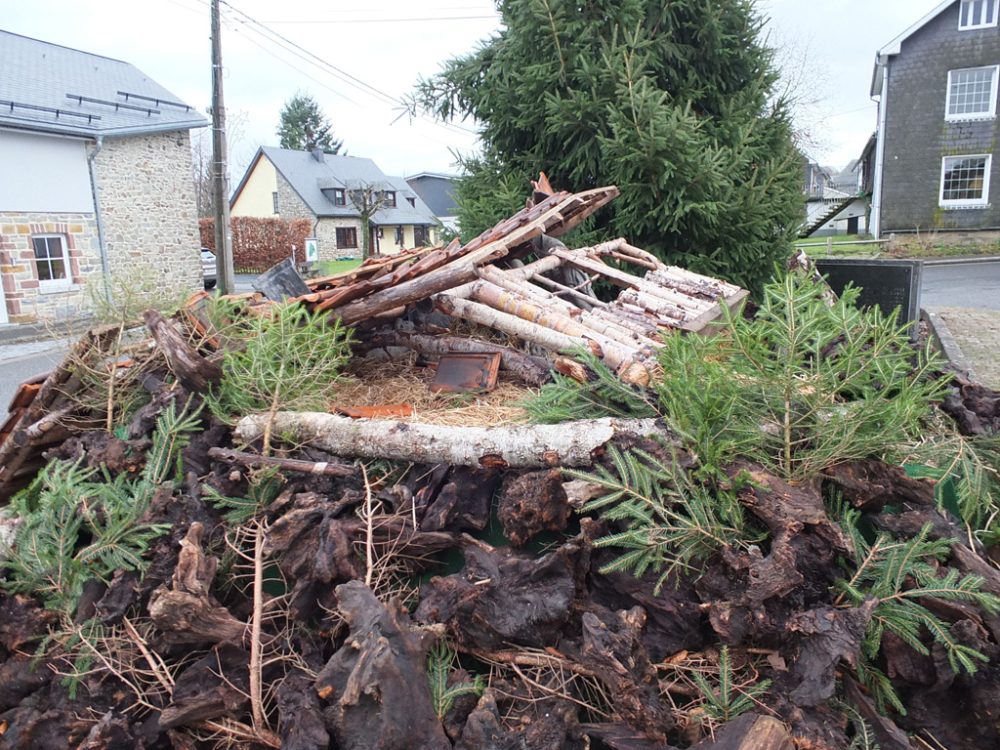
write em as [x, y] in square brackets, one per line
[260, 243]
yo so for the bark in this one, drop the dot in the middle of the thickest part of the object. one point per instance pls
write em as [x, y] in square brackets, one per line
[750, 732]
[554, 216]
[376, 683]
[323, 468]
[194, 371]
[213, 687]
[532, 503]
[507, 281]
[616, 352]
[566, 444]
[501, 597]
[17, 449]
[186, 612]
[512, 325]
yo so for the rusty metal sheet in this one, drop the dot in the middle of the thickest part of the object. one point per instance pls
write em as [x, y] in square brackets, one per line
[375, 412]
[464, 373]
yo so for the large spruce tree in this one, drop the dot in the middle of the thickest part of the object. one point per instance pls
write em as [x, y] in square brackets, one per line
[670, 100]
[304, 127]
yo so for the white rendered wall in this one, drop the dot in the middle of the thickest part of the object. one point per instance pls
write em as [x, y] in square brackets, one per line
[43, 174]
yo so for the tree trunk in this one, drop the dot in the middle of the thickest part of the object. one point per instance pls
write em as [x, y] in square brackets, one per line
[194, 371]
[566, 444]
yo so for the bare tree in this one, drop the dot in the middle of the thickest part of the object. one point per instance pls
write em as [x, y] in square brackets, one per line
[368, 199]
[201, 159]
[805, 88]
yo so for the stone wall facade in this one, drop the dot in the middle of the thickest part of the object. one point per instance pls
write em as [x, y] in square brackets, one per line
[918, 135]
[27, 298]
[326, 233]
[291, 206]
[146, 194]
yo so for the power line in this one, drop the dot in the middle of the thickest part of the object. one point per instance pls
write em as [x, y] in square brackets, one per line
[303, 53]
[423, 19]
[232, 25]
[248, 23]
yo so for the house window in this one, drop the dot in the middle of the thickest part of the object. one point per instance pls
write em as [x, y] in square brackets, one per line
[972, 92]
[399, 236]
[388, 198]
[965, 180]
[347, 237]
[51, 261]
[339, 199]
[977, 14]
[412, 202]
[420, 237]
[274, 201]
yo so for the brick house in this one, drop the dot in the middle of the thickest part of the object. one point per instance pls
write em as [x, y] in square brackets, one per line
[936, 86]
[95, 181]
[288, 184]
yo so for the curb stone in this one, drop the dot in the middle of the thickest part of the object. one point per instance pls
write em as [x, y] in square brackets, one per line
[946, 342]
[960, 261]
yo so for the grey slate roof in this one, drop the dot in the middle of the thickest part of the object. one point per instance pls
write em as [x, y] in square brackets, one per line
[437, 191]
[36, 76]
[310, 177]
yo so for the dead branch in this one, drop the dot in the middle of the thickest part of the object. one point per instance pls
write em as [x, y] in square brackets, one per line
[566, 444]
[323, 468]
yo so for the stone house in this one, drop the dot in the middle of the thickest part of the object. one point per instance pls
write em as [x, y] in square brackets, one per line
[288, 184]
[936, 86]
[95, 181]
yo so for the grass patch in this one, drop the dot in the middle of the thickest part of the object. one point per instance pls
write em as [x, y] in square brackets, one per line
[853, 245]
[943, 251]
[331, 267]
[839, 245]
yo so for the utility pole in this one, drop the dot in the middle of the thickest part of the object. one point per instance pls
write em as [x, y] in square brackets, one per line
[223, 233]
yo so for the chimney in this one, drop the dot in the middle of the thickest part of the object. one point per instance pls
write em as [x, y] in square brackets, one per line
[317, 154]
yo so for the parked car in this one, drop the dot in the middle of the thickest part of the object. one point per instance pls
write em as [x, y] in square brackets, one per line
[208, 268]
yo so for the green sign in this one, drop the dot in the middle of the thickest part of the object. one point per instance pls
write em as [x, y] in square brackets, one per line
[312, 250]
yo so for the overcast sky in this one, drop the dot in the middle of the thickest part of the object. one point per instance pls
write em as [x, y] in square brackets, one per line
[357, 57]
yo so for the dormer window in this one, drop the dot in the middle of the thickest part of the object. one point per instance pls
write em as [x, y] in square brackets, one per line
[339, 198]
[390, 198]
[977, 14]
[412, 202]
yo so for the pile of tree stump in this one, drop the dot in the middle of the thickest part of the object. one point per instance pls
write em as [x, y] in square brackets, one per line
[390, 585]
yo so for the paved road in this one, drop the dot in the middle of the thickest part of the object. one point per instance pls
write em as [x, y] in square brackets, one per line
[961, 285]
[16, 368]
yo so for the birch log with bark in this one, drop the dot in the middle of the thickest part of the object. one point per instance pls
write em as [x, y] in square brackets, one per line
[529, 446]
[512, 325]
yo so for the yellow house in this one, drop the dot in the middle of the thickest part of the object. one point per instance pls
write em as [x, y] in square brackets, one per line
[333, 192]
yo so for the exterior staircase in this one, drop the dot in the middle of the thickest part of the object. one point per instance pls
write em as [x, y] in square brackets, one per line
[835, 208]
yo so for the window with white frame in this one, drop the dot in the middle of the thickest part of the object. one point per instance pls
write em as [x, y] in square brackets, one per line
[977, 14]
[51, 261]
[965, 180]
[972, 93]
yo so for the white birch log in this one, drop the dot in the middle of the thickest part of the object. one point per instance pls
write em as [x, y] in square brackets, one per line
[565, 444]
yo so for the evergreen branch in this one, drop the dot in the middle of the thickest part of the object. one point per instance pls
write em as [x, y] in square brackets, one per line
[669, 519]
[441, 661]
